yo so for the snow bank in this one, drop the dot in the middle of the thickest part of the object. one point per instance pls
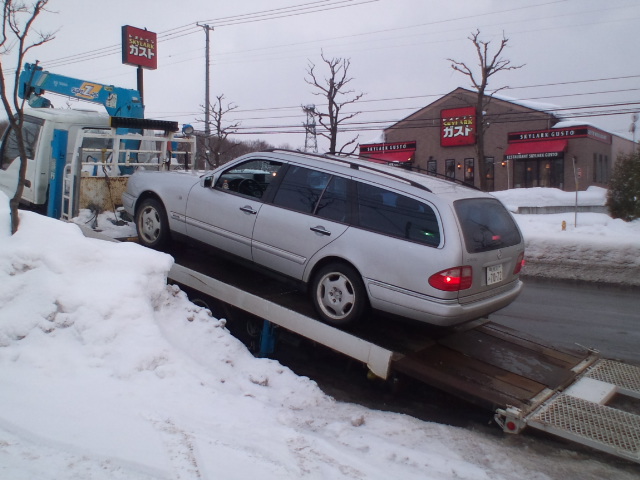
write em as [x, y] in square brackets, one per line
[107, 372]
[550, 197]
[5, 216]
[593, 247]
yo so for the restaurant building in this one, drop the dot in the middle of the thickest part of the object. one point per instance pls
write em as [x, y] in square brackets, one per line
[524, 146]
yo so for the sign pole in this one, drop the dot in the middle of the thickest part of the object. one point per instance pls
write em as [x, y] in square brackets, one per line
[575, 176]
[140, 78]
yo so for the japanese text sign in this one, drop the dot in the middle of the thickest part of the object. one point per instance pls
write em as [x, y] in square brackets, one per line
[458, 126]
[139, 47]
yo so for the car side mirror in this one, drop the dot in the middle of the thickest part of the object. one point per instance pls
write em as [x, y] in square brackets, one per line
[208, 182]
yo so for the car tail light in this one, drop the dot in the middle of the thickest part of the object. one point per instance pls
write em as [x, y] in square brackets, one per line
[519, 263]
[452, 279]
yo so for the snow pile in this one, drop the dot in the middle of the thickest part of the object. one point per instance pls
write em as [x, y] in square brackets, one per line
[550, 197]
[108, 223]
[592, 246]
[107, 372]
[5, 217]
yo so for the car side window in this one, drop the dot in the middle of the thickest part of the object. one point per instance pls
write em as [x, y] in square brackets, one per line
[334, 203]
[301, 189]
[250, 178]
[397, 215]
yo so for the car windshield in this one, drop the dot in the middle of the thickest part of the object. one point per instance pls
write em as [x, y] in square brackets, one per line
[486, 224]
[30, 132]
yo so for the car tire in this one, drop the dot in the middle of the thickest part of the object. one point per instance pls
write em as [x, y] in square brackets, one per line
[339, 295]
[152, 224]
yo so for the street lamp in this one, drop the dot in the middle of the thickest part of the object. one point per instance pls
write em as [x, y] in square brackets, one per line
[187, 130]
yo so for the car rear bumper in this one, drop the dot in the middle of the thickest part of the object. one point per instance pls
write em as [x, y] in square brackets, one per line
[435, 311]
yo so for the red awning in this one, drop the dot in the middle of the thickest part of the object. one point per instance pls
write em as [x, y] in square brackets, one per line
[535, 150]
[402, 156]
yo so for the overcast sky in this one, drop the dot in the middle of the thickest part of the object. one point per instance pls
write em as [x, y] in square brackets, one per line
[577, 54]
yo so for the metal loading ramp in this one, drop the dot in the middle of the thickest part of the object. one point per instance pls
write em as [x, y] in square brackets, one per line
[588, 413]
[575, 395]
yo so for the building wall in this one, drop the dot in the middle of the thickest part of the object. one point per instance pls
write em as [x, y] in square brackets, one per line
[587, 154]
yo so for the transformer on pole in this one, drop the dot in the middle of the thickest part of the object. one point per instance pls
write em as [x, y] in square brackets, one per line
[310, 141]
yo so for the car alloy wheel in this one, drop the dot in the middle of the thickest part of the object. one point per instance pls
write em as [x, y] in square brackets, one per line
[339, 294]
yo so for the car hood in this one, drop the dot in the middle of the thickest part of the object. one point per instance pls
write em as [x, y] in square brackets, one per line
[150, 180]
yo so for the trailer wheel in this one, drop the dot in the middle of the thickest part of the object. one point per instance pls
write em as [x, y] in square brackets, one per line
[152, 224]
[339, 295]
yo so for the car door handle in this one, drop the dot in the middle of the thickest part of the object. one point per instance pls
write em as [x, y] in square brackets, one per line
[248, 209]
[321, 230]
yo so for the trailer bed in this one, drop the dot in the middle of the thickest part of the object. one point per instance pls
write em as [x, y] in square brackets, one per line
[494, 366]
[526, 382]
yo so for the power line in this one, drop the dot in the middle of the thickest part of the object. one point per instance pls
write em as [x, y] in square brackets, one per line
[284, 12]
[192, 28]
[439, 95]
[632, 107]
[291, 12]
[596, 110]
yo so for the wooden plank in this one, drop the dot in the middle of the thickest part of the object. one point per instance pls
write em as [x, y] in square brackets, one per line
[509, 356]
[458, 374]
[565, 358]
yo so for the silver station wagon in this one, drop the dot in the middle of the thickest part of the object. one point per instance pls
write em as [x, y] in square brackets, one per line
[358, 235]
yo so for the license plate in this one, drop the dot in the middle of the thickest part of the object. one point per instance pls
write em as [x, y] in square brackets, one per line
[494, 274]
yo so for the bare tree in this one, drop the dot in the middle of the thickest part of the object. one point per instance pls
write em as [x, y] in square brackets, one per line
[489, 65]
[217, 144]
[251, 146]
[333, 89]
[18, 20]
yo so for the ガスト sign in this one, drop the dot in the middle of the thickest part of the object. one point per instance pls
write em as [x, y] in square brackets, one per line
[458, 126]
[139, 47]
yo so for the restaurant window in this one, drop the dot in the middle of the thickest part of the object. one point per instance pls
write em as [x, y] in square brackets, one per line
[450, 168]
[600, 168]
[489, 173]
[538, 173]
[469, 170]
[432, 166]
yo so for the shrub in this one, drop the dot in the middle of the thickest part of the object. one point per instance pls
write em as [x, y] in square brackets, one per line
[623, 197]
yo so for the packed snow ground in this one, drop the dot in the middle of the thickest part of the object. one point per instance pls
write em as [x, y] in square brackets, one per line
[108, 373]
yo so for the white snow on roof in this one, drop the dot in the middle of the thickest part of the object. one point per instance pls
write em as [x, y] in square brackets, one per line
[541, 106]
[573, 123]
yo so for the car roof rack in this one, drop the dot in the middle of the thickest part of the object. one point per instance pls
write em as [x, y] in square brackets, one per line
[353, 165]
[418, 170]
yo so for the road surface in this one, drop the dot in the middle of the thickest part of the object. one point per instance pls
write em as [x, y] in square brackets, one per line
[569, 314]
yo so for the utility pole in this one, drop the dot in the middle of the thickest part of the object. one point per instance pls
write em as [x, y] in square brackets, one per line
[207, 103]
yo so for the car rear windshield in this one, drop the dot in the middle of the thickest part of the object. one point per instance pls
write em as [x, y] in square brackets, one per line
[486, 224]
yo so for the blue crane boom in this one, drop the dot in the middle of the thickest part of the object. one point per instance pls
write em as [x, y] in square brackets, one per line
[119, 102]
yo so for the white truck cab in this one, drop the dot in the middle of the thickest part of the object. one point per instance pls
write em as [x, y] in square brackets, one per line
[48, 133]
[77, 159]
